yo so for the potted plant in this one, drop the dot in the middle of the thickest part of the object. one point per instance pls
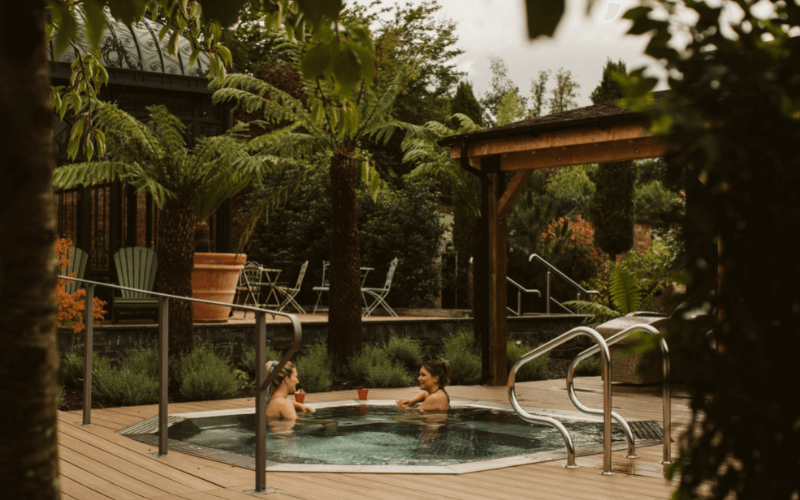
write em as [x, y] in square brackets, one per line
[188, 181]
[300, 395]
[362, 393]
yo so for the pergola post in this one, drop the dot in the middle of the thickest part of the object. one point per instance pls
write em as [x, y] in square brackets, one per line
[496, 280]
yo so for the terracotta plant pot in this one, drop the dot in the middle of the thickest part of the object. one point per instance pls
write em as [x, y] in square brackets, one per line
[300, 397]
[362, 393]
[214, 277]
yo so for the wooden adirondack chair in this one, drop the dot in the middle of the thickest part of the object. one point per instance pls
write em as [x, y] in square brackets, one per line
[77, 264]
[136, 268]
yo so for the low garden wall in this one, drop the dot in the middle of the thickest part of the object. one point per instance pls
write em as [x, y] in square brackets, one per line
[228, 339]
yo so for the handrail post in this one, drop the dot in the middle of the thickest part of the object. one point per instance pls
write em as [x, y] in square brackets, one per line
[88, 341]
[607, 471]
[547, 300]
[261, 403]
[163, 374]
[667, 397]
[519, 302]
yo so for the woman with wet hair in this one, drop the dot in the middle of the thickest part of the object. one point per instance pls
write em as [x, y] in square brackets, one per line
[284, 384]
[434, 376]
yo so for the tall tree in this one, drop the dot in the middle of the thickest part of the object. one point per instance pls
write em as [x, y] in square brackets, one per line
[329, 124]
[565, 92]
[29, 357]
[538, 93]
[501, 85]
[464, 102]
[611, 209]
[511, 109]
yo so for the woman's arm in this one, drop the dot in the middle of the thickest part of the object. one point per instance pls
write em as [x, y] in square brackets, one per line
[302, 407]
[408, 402]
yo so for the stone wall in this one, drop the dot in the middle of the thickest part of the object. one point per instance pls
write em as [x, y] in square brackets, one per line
[229, 339]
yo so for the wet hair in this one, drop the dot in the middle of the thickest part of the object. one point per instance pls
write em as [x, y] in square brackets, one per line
[438, 368]
[285, 372]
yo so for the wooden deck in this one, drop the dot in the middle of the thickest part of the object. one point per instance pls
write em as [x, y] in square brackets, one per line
[97, 463]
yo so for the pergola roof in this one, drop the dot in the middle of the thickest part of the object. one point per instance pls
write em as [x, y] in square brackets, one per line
[594, 134]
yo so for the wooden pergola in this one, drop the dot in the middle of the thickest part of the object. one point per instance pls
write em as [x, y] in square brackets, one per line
[600, 133]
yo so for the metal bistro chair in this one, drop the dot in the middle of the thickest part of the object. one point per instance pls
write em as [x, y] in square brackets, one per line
[289, 294]
[325, 287]
[379, 294]
[247, 286]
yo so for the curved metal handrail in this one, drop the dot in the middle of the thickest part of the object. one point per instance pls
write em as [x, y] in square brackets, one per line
[520, 290]
[613, 339]
[261, 339]
[546, 347]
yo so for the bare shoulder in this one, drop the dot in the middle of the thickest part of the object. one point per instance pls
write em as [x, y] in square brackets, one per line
[436, 401]
[281, 407]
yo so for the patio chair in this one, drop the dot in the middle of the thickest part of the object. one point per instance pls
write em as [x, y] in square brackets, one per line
[248, 284]
[326, 285]
[136, 268]
[289, 294]
[379, 294]
[77, 264]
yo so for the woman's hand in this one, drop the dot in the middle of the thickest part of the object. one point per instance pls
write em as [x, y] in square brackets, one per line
[307, 409]
[403, 402]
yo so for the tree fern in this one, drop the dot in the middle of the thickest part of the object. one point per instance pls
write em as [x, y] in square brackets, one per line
[624, 290]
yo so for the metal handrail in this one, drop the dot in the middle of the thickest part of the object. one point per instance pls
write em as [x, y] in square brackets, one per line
[262, 380]
[562, 306]
[546, 347]
[551, 267]
[520, 290]
[643, 328]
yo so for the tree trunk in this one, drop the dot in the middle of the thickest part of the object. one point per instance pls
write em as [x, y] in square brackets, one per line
[175, 254]
[344, 318]
[29, 357]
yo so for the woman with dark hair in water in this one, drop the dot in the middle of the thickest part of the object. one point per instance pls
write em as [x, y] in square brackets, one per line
[284, 384]
[434, 376]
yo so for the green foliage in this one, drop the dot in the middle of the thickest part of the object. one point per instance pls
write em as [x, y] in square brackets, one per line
[589, 367]
[464, 357]
[609, 88]
[510, 109]
[465, 103]
[501, 85]
[204, 376]
[611, 209]
[404, 351]
[131, 384]
[374, 368]
[248, 359]
[536, 369]
[654, 201]
[401, 223]
[572, 189]
[314, 369]
[565, 93]
[72, 369]
[538, 93]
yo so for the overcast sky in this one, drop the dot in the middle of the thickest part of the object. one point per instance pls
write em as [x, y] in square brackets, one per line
[581, 44]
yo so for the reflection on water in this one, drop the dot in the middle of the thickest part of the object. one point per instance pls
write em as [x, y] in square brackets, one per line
[379, 435]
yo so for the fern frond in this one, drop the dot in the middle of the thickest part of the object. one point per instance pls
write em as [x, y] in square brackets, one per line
[600, 313]
[169, 129]
[89, 174]
[122, 129]
[625, 294]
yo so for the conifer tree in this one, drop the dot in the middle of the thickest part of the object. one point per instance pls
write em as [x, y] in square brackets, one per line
[611, 209]
[464, 102]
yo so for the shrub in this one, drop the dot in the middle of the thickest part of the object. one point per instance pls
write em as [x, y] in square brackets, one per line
[464, 358]
[129, 385]
[589, 367]
[205, 376]
[248, 359]
[144, 361]
[60, 396]
[374, 368]
[72, 369]
[314, 369]
[405, 351]
[535, 369]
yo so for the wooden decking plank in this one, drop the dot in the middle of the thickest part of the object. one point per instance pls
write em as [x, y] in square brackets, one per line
[360, 479]
[98, 484]
[437, 486]
[77, 490]
[324, 488]
[121, 457]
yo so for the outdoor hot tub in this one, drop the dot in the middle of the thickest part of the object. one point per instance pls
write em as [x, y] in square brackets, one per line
[378, 436]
